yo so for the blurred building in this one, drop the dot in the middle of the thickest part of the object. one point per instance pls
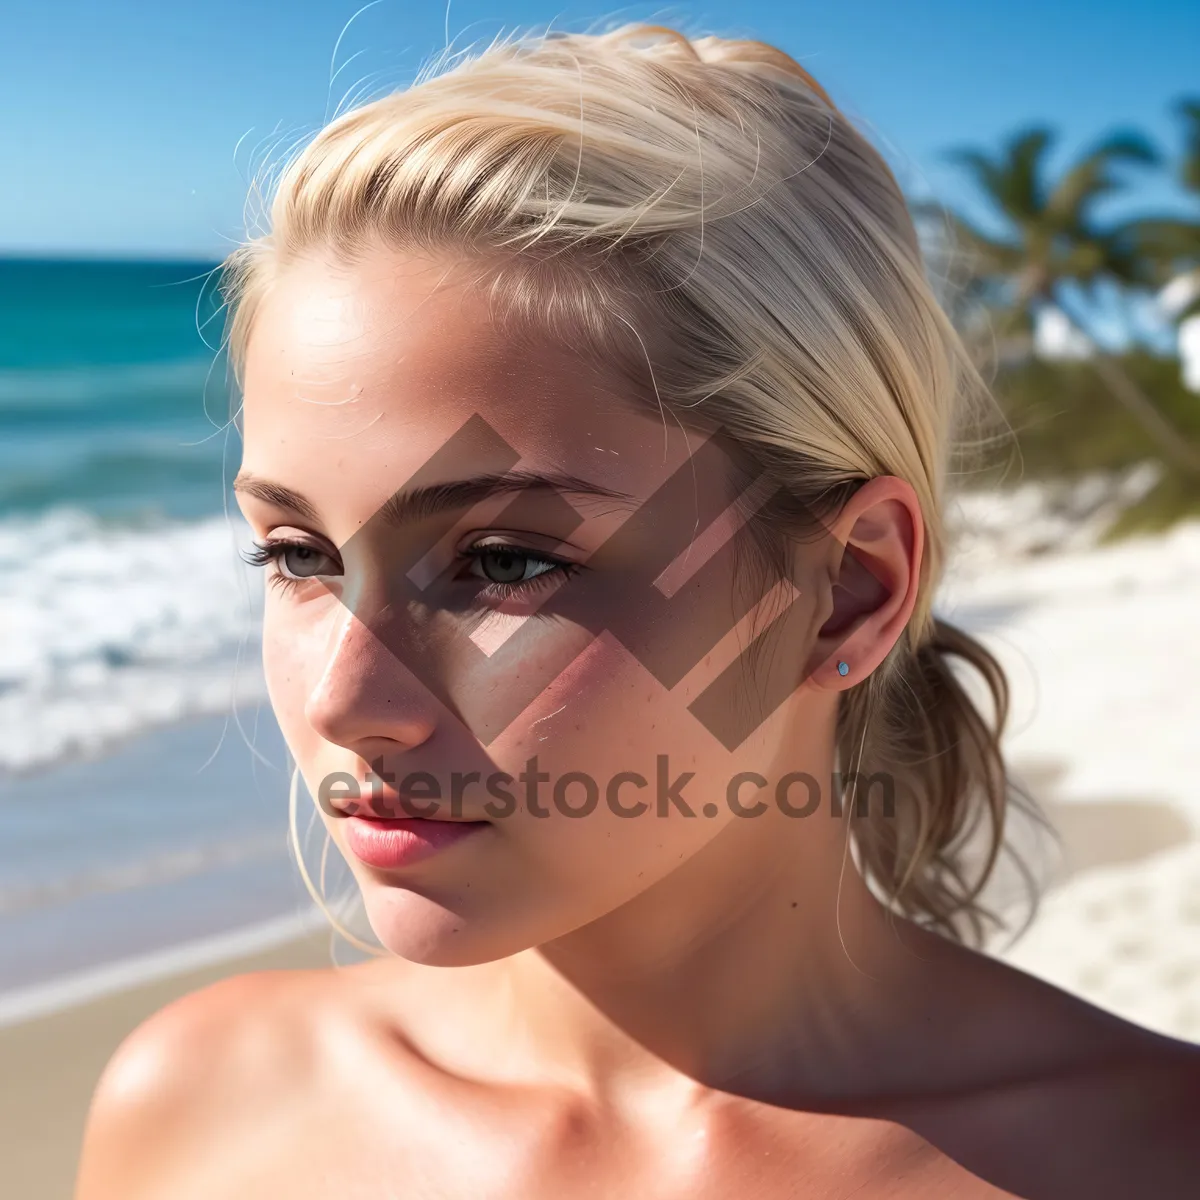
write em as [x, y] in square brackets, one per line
[1173, 299]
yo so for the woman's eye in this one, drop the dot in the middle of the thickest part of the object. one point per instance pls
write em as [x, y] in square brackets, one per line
[302, 562]
[504, 566]
[292, 562]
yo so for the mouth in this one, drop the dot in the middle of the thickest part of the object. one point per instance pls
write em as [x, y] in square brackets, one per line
[386, 804]
[388, 843]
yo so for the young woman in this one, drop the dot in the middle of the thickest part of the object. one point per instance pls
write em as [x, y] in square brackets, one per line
[597, 420]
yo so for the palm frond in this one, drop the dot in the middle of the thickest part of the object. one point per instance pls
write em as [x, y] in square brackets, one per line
[984, 172]
[1167, 244]
[1129, 146]
[1094, 175]
[1010, 181]
[1023, 188]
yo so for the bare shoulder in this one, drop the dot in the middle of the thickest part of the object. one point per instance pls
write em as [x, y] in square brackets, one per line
[207, 1067]
[1044, 1094]
[1147, 1096]
[1118, 1122]
[1127, 1124]
[1126, 1076]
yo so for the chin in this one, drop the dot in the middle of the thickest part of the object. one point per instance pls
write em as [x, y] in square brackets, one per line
[434, 933]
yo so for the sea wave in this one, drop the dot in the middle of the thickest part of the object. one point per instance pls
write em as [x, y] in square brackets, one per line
[76, 389]
[108, 630]
[152, 867]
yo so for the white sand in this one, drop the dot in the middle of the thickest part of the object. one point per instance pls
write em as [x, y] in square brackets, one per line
[1128, 939]
[1102, 647]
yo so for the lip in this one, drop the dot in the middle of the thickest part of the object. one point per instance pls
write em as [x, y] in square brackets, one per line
[400, 842]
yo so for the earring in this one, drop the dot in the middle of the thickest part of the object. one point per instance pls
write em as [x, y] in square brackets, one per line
[843, 668]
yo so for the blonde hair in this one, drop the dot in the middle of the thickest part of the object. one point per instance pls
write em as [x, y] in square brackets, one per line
[699, 207]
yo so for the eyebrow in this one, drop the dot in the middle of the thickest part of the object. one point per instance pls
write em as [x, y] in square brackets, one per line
[434, 498]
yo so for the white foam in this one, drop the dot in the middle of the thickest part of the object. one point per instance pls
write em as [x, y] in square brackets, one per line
[111, 630]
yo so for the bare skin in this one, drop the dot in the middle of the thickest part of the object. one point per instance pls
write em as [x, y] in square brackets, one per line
[598, 1006]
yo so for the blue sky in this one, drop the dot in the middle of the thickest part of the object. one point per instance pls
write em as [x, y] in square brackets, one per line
[122, 116]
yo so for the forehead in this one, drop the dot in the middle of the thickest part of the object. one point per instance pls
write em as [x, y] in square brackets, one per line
[371, 369]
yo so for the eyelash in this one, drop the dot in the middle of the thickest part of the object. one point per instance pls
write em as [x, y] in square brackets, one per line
[270, 552]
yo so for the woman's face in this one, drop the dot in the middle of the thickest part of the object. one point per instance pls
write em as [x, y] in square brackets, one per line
[464, 582]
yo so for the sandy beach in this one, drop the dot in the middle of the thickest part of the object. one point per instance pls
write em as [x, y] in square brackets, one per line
[50, 1065]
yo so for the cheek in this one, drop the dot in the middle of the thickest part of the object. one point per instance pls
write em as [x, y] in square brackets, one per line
[290, 654]
[609, 738]
[602, 715]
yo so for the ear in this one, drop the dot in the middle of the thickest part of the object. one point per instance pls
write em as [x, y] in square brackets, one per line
[874, 566]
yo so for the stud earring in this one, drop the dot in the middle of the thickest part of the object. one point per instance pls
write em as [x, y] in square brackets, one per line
[843, 668]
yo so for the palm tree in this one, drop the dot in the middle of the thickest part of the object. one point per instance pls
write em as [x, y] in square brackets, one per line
[1052, 247]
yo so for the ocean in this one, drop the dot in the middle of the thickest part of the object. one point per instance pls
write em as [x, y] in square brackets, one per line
[142, 778]
[121, 599]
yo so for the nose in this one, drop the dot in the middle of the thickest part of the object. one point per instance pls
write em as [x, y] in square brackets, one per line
[366, 699]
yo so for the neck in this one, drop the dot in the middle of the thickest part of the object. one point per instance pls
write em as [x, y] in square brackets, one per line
[762, 965]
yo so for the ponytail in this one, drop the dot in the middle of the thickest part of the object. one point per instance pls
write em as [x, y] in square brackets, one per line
[914, 724]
